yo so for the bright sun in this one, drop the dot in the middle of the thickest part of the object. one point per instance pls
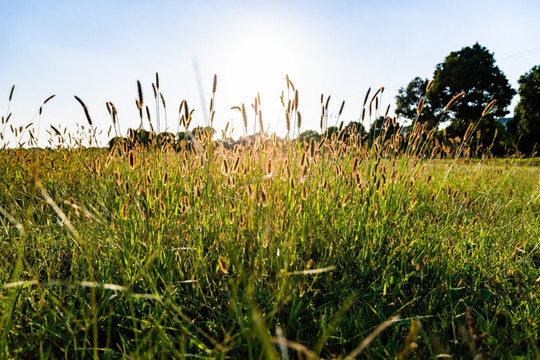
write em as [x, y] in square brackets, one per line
[257, 62]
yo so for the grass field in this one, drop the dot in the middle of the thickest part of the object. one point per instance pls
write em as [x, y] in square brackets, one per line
[328, 249]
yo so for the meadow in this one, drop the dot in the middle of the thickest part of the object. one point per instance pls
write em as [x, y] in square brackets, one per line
[333, 248]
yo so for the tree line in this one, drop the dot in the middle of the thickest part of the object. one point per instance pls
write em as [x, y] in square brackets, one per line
[473, 73]
[468, 96]
[479, 94]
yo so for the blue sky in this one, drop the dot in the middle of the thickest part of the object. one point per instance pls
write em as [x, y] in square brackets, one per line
[98, 49]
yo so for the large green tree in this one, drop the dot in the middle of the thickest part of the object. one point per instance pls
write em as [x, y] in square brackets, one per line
[525, 125]
[471, 70]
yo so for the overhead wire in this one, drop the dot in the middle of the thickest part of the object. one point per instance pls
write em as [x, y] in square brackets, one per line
[520, 54]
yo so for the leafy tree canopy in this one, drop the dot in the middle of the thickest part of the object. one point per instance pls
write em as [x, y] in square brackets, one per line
[331, 130]
[355, 128]
[308, 135]
[526, 121]
[472, 70]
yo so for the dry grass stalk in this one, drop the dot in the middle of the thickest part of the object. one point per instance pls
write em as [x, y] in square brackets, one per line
[420, 106]
[261, 122]
[59, 212]
[387, 111]
[162, 100]
[139, 90]
[56, 131]
[341, 108]
[410, 340]
[381, 89]
[366, 97]
[85, 110]
[371, 337]
[131, 157]
[312, 271]
[17, 224]
[429, 85]
[11, 92]
[244, 118]
[453, 100]
[49, 98]
[148, 115]
[489, 107]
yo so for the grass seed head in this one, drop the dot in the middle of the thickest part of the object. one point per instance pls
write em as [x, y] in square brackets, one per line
[453, 101]
[429, 85]
[420, 106]
[11, 92]
[366, 97]
[244, 117]
[139, 90]
[489, 107]
[131, 157]
[49, 98]
[85, 110]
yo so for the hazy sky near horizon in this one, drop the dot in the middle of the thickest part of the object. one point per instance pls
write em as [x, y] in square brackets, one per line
[98, 50]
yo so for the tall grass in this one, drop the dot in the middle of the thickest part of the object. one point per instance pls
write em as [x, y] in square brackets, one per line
[270, 249]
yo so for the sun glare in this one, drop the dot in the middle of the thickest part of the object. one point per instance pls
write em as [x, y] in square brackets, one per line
[257, 61]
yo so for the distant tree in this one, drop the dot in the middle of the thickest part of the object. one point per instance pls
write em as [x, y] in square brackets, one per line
[471, 70]
[139, 136]
[525, 125]
[198, 131]
[164, 137]
[209, 131]
[308, 135]
[202, 132]
[382, 127]
[118, 141]
[355, 128]
[487, 132]
[330, 130]
[182, 141]
[407, 103]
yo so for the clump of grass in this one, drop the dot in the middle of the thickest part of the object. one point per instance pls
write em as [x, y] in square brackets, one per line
[269, 247]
